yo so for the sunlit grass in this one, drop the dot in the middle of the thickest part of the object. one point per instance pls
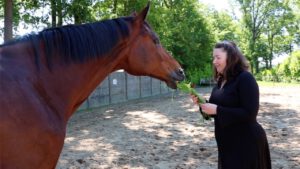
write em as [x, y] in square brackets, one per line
[277, 84]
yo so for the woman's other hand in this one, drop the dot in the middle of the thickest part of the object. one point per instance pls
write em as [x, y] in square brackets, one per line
[209, 108]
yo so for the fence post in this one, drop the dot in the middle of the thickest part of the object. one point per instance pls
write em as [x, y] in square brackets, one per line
[126, 85]
[151, 93]
[109, 89]
[140, 86]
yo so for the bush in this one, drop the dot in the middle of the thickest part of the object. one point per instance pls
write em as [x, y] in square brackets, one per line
[195, 75]
[275, 76]
[268, 75]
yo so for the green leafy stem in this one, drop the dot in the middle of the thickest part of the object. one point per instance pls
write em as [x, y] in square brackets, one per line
[187, 88]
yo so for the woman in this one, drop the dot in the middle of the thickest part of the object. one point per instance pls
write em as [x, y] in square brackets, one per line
[234, 103]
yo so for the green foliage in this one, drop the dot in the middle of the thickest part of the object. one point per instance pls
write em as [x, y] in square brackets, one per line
[262, 51]
[223, 26]
[189, 37]
[1, 9]
[188, 29]
[295, 64]
[270, 19]
[1, 18]
[81, 11]
[187, 88]
[26, 11]
[287, 71]
[195, 75]
[268, 75]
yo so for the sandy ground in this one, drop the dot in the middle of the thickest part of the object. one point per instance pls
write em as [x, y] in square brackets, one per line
[168, 133]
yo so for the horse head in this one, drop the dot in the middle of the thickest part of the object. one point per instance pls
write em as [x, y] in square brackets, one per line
[146, 56]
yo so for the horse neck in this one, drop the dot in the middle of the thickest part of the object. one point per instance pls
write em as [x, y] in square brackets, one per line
[69, 85]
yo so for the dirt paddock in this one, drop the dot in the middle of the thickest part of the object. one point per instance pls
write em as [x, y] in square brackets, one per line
[167, 133]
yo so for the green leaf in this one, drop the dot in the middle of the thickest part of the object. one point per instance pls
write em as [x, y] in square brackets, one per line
[187, 88]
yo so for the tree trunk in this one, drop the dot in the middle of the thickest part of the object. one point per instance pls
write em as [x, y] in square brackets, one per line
[254, 57]
[290, 49]
[115, 6]
[59, 12]
[53, 12]
[125, 4]
[266, 63]
[77, 19]
[270, 58]
[256, 64]
[8, 20]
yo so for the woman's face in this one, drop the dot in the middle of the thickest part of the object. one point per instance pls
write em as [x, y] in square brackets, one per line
[219, 59]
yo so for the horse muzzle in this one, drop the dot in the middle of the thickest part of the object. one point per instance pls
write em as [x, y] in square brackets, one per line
[176, 76]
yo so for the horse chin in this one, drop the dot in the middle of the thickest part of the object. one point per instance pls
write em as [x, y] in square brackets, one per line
[172, 84]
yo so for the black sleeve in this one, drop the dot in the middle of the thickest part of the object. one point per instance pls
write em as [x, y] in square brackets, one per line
[210, 100]
[248, 94]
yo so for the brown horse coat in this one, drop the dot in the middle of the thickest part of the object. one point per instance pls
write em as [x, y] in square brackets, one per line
[45, 77]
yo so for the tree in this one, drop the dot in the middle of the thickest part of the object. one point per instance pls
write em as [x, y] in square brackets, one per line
[289, 69]
[294, 29]
[273, 19]
[8, 20]
[189, 37]
[255, 13]
[53, 12]
[1, 19]
[276, 28]
[57, 12]
[262, 51]
[295, 64]
[81, 11]
[32, 14]
[223, 26]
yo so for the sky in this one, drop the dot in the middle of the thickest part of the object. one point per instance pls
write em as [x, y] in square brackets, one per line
[217, 4]
[230, 6]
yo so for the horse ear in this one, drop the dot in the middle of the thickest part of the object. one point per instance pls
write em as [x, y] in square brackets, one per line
[142, 16]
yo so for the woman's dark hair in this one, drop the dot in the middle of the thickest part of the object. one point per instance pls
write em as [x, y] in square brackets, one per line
[235, 62]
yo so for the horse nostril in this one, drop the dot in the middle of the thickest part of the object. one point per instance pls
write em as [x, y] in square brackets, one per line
[180, 74]
[180, 71]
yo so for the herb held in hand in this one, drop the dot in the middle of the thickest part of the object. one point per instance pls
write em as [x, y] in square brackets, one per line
[186, 88]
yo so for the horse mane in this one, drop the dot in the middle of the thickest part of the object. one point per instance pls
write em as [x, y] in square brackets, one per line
[78, 43]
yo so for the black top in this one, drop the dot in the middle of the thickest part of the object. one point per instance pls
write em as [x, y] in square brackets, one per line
[242, 142]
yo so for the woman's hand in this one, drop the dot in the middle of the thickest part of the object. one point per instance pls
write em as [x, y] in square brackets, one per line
[209, 108]
[195, 99]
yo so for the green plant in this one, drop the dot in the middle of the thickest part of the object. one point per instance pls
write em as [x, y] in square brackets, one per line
[186, 88]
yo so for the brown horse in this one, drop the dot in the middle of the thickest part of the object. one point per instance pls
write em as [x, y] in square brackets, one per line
[46, 76]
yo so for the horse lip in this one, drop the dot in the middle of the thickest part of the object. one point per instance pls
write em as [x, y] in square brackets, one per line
[172, 84]
[179, 78]
[174, 78]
